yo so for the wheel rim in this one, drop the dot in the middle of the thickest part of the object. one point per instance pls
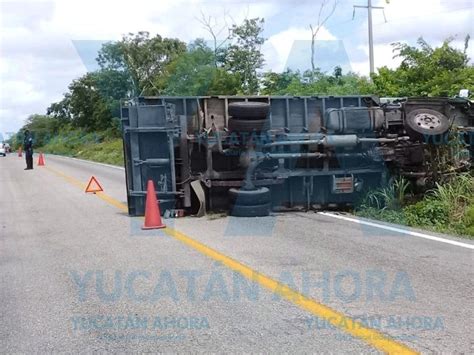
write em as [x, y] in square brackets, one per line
[427, 121]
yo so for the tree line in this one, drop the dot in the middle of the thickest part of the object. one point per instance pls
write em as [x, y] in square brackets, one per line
[141, 64]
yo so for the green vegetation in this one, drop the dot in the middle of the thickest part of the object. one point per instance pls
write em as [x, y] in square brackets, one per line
[140, 64]
[97, 147]
[426, 71]
[85, 122]
[448, 208]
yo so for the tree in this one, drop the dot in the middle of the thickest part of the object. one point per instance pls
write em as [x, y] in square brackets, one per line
[244, 56]
[43, 127]
[191, 73]
[441, 71]
[278, 83]
[87, 106]
[113, 86]
[315, 83]
[321, 21]
[195, 73]
[147, 59]
[142, 60]
[224, 83]
[61, 110]
[211, 25]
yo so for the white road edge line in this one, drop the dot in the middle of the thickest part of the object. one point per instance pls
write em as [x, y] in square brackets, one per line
[89, 161]
[399, 230]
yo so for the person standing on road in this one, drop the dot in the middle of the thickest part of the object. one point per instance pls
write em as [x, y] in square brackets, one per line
[28, 147]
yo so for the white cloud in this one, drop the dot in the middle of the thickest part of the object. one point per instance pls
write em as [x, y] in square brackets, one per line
[435, 20]
[277, 48]
[23, 92]
[407, 20]
[105, 19]
[383, 56]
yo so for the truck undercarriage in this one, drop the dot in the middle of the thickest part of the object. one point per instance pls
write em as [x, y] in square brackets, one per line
[250, 155]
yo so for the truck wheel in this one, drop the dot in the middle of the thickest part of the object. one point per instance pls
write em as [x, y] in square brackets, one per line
[243, 125]
[250, 211]
[249, 110]
[241, 197]
[424, 123]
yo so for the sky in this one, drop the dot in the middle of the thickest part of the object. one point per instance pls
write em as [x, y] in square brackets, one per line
[44, 45]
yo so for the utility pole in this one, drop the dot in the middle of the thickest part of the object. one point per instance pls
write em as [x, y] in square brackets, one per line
[369, 8]
[371, 36]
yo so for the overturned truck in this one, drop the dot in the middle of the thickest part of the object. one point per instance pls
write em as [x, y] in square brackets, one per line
[254, 154]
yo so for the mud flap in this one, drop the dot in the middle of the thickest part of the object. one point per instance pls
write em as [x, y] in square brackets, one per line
[201, 195]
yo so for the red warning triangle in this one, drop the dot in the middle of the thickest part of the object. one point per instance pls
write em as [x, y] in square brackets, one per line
[94, 186]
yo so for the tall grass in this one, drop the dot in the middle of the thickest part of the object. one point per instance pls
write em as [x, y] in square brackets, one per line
[390, 197]
[448, 208]
[456, 194]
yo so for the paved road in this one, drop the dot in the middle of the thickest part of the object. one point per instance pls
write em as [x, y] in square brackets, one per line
[78, 274]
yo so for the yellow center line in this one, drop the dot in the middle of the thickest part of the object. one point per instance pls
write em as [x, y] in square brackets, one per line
[110, 200]
[371, 336]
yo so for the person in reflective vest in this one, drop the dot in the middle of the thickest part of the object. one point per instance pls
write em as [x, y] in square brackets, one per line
[28, 147]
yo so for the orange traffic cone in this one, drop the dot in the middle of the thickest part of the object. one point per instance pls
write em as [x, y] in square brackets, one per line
[152, 209]
[19, 152]
[41, 160]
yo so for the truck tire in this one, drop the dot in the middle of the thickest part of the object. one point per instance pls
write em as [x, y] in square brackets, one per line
[249, 110]
[241, 197]
[242, 125]
[250, 211]
[424, 123]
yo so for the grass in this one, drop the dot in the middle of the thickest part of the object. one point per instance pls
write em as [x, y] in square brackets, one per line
[109, 151]
[97, 147]
[448, 208]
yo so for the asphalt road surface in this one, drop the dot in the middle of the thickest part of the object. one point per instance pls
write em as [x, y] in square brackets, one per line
[78, 275]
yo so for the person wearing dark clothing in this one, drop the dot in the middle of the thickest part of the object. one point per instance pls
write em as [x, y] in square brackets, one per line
[28, 147]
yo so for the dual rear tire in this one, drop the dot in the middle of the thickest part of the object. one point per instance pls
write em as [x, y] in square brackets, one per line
[248, 116]
[250, 203]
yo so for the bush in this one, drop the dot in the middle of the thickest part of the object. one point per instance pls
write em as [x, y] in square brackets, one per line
[427, 212]
[102, 147]
[109, 151]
